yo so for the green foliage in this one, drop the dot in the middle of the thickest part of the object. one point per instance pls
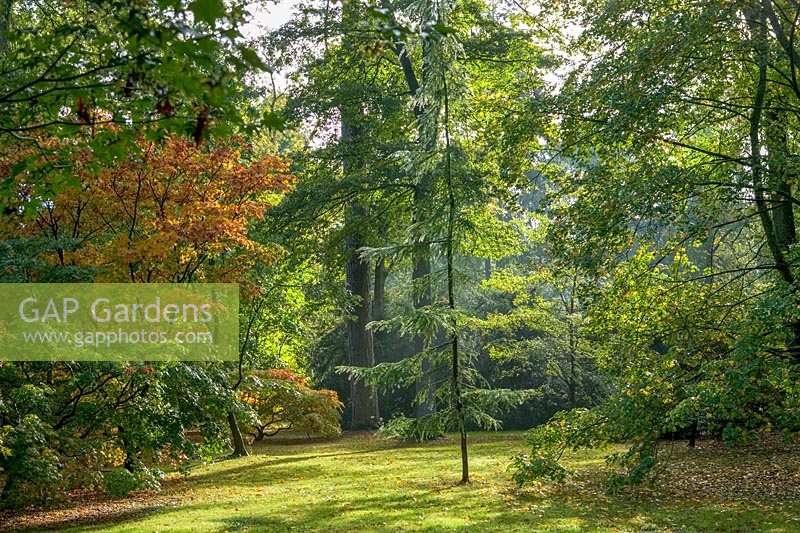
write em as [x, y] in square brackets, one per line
[121, 482]
[419, 429]
[100, 74]
[579, 428]
[526, 469]
[31, 467]
[61, 435]
[618, 247]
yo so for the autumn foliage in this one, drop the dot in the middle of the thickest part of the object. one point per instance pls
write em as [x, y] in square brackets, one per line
[285, 401]
[167, 212]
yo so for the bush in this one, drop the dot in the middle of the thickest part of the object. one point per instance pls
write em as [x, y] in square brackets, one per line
[285, 401]
[121, 482]
[32, 469]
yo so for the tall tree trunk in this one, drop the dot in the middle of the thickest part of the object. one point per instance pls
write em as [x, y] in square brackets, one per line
[360, 349]
[451, 299]
[782, 196]
[780, 180]
[363, 400]
[421, 257]
[239, 448]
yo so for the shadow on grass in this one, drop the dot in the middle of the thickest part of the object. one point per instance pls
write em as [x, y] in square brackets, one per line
[469, 512]
[366, 485]
[93, 521]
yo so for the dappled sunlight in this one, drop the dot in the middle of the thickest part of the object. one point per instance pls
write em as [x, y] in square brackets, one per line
[366, 483]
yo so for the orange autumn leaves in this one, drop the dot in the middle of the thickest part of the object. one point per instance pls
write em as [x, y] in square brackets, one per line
[167, 212]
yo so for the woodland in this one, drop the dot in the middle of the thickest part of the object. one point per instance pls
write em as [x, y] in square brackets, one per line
[502, 264]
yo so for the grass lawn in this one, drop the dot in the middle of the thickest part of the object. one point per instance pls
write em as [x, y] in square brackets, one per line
[362, 483]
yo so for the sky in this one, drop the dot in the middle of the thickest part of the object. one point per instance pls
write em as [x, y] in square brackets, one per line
[267, 15]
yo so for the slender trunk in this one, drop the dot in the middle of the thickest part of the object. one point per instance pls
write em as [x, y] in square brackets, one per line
[451, 299]
[237, 441]
[239, 449]
[693, 434]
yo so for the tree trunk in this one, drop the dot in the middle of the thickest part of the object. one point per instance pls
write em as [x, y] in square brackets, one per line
[363, 400]
[781, 198]
[775, 228]
[360, 344]
[379, 291]
[451, 298]
[779, 180]
[5, 23]
[421, 258]
[237, 441]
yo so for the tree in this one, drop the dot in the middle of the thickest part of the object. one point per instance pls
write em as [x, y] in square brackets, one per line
[672, 164]
[167, 212]
[457, 183]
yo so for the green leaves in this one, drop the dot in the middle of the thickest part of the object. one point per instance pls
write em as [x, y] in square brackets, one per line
[207, 10]
[273, 121]
[252, 58]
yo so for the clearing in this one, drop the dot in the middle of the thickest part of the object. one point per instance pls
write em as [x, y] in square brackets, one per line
[364, 483]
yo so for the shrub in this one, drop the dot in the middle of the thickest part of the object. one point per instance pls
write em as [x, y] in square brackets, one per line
[121, 482]
[284, 401]
[32, 469]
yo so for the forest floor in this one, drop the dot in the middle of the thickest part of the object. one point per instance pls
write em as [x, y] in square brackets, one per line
[364, 483]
